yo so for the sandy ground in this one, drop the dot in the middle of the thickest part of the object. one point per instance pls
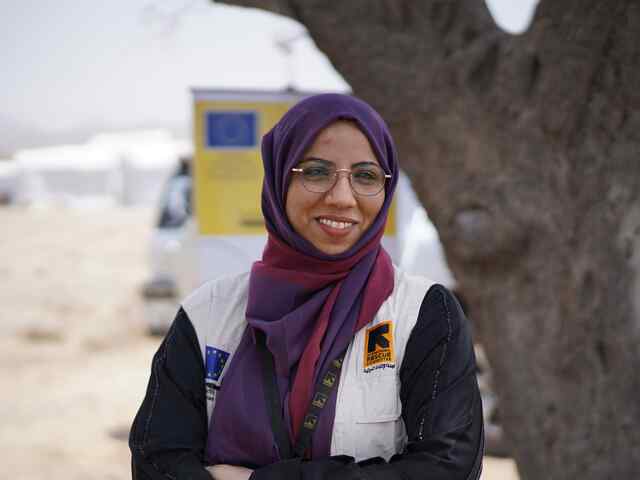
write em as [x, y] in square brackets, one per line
[74, 357]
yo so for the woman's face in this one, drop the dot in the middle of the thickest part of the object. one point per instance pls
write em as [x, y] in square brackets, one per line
[335, 220]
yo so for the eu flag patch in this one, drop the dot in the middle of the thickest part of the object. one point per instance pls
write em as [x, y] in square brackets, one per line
[231, 129]
[216, 360]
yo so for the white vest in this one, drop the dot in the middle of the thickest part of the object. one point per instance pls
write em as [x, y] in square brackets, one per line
[367, 418]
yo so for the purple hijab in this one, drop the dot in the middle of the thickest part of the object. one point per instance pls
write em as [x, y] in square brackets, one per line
[308, 304]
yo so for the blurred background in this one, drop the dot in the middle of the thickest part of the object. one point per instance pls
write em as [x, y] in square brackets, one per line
[96, 142]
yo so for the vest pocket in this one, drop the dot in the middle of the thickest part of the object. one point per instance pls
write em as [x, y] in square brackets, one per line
[379, 430]
[379, 399]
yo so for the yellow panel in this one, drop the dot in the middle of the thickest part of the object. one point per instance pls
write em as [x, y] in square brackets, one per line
[228, 182]
[390, 227]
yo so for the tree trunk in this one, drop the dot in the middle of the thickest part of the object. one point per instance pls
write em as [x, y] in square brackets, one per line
[525, 150]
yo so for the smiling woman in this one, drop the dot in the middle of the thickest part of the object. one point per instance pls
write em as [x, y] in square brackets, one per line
[325, 360]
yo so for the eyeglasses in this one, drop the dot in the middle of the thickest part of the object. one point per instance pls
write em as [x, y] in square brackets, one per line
[366, 180]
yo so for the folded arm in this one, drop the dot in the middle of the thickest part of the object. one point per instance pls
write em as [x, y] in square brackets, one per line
[441, 408]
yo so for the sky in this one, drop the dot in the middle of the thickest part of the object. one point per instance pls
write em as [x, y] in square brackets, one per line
[122, 63]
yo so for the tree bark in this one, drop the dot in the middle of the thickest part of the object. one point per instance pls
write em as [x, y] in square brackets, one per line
[525, 151]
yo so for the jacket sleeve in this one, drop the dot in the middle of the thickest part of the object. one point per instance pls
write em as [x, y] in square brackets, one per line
[441, 408]
[168, 435]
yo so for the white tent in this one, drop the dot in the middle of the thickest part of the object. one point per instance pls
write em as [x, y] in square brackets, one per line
[69, 174]
[146, 158]
[127, 168]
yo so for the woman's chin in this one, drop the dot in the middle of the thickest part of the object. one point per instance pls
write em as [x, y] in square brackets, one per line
[333, 241]
[333, 248]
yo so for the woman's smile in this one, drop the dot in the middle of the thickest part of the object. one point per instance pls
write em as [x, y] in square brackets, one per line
[336, 226]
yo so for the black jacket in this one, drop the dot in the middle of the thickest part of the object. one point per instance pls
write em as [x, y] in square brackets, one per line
[441, 409]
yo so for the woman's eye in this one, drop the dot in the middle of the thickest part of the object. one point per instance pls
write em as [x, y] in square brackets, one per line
[366, 175]
[316, 172]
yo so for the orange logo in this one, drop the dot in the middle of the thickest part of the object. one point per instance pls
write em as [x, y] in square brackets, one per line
[378, 352]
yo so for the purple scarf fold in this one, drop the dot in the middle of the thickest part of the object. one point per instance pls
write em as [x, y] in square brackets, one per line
[309, 304]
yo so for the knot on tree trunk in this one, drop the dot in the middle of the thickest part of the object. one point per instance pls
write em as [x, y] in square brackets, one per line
[479, 235]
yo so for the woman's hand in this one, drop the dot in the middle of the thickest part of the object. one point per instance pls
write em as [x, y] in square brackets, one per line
[229, 472]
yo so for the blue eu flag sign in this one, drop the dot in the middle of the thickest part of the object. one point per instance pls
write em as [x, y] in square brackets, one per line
[215, 362]
[231, 129]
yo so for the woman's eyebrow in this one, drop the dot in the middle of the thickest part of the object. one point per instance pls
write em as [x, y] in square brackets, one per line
[330, 163]
[361, 164]
[317, 159]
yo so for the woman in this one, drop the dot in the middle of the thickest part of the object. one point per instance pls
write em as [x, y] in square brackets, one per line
[324, 361]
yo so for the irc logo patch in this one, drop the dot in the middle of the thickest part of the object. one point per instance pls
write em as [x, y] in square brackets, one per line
[378, 351]
[216, 360]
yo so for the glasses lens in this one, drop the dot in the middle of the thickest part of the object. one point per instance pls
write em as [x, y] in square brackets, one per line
[367, 179]
[318, 178]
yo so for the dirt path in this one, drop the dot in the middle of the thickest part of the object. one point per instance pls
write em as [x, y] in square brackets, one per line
[74, 359]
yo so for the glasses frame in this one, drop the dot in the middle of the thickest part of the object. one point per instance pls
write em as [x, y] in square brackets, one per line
[335, 181]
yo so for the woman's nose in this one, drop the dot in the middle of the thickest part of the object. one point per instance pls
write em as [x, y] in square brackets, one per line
[341, 194]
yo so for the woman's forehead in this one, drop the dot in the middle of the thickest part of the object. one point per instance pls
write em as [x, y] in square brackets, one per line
[339, 142]
[337, 129]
